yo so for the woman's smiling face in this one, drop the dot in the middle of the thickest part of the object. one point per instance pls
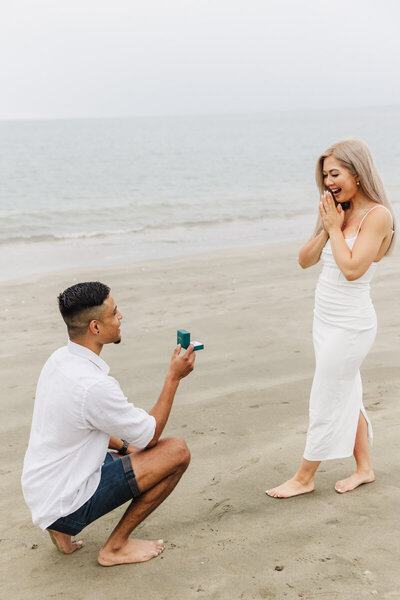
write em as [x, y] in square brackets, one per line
[338, 180]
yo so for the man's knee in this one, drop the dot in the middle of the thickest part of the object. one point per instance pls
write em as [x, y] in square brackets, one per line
[181, 452]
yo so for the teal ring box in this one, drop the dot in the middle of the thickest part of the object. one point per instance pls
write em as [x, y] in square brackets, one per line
[183, 338]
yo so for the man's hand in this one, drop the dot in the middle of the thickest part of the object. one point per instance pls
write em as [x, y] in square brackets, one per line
[181, 365]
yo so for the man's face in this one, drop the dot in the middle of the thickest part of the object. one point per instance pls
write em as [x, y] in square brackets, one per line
[109, 323]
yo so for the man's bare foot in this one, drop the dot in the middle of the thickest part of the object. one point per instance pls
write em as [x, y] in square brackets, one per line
[64, 542]
[290, 488]
[133, 551]
[346, 485]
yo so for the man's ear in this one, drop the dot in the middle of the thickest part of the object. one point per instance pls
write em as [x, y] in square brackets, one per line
[94, 327]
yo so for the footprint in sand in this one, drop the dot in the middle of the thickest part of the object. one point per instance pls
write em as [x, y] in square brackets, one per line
[332, 522]
[280, 467]
[250, 462]
[215, 480]
[221, 508]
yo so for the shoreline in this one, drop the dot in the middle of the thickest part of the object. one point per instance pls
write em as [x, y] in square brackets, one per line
[243, 413]
[110, 262]
[23, 258]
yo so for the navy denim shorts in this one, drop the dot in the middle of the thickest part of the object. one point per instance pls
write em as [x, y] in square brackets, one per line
[117, 486]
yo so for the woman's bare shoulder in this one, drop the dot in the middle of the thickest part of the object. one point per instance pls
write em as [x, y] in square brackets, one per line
[379, 217]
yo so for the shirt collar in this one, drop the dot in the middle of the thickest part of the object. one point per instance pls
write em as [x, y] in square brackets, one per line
[84, 352]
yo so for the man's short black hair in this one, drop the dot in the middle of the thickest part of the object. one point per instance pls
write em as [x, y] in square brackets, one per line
[79, 302]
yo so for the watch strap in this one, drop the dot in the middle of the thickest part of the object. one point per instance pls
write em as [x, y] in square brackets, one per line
[124, 447]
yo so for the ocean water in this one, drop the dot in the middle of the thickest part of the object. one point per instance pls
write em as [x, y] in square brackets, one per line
[111, 191]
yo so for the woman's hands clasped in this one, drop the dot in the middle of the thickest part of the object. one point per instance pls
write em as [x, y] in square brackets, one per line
[332, 216]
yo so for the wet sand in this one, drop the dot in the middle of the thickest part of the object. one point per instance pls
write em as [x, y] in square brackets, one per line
[243, 413]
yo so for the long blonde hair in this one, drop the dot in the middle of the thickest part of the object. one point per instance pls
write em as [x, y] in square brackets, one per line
[356, 157]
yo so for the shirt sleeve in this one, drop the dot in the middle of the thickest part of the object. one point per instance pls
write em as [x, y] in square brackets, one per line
[107, 409]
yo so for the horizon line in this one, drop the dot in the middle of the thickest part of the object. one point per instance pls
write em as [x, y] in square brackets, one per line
[198, 114]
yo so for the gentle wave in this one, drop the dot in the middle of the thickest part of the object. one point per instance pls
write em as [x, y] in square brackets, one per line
[79, 212]
[81, 235]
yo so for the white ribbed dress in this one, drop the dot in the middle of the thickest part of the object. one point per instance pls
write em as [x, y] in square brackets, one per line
[344, 330]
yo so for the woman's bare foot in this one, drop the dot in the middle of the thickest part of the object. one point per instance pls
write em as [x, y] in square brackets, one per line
[290, 488]
[64, 542]
[133, 551]
[346, 485]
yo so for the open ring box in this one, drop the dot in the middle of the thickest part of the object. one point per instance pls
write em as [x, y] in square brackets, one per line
[183, 338]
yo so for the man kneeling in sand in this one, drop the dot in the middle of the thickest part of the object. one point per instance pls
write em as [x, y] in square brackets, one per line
[69, 479]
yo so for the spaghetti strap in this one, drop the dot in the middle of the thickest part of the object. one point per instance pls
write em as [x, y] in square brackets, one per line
[370, 210]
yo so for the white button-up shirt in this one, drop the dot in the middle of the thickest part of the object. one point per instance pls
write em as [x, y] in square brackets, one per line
[77, 407]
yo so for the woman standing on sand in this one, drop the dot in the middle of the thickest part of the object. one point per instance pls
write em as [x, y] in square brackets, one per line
[355, 230]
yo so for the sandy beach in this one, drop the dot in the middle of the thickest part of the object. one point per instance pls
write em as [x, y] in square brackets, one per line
[243, 413]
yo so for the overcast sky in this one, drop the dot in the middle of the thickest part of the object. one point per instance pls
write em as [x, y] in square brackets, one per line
[94, 58]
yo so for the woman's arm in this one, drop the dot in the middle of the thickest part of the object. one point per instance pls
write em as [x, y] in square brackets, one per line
[310, 253]
[354, 263]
